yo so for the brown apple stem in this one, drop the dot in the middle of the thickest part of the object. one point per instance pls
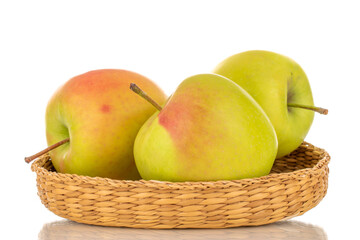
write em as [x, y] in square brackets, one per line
[48, 149]
[313, 108]
[144, 95]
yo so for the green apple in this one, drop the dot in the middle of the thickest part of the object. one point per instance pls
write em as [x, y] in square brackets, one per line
[209, 129]
[101, 117]
[282, 89]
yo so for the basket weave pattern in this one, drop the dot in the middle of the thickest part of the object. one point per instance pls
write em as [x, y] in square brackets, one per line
[296, 184]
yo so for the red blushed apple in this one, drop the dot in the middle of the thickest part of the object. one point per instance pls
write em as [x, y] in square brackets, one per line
[210, 129]
[101, 117]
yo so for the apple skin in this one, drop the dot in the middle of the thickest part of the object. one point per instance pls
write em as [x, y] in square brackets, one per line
[102, 116]
[210, 129]
[274, 80]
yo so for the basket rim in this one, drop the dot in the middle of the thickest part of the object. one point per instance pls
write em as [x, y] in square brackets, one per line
[38, 166]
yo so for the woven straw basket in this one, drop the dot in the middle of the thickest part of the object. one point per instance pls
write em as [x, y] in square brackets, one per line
[296, 184]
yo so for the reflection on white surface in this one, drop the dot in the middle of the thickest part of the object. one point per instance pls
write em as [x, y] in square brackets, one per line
[289, 230]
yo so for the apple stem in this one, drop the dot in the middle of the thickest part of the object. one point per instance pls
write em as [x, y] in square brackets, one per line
[144, 95]
[48, 149]
[313, 108]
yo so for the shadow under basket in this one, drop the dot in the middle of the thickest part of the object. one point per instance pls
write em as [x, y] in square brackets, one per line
[297, 183]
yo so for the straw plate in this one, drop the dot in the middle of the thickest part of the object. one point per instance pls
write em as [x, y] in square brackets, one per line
[296, 184]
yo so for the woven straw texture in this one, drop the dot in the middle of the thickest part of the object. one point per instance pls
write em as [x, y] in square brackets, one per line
[296, 184]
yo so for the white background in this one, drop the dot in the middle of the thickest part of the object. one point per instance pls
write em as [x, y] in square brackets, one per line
[44, 43]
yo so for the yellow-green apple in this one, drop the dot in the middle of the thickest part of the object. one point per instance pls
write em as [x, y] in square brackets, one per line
[282, 89]
[209, 129]
[101, 117]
